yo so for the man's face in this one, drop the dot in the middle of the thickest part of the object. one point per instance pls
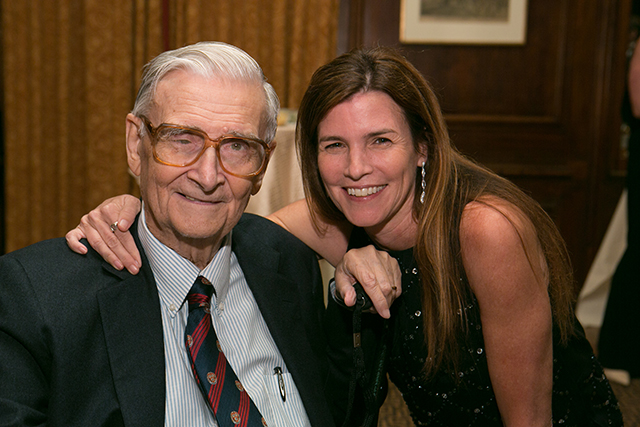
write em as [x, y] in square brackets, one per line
[192, 208]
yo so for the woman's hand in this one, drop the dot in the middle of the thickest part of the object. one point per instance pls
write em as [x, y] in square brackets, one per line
[106, 228]
[377, 272]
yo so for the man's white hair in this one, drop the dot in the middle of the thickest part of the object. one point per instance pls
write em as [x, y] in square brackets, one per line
[208, 59]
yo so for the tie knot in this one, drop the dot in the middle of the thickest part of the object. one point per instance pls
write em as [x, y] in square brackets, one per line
[200, 293]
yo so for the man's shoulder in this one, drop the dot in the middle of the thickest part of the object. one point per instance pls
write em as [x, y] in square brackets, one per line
[56, 247]
[253, 220]
[262, 234]
[51, 258]
[262, 229]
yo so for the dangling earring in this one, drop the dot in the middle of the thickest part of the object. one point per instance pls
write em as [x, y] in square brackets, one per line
[424, 184]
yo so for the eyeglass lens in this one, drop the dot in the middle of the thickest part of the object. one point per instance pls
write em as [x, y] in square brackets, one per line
[180, 147]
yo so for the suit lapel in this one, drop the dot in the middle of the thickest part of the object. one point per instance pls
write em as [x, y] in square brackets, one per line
[275, 294]
[278, 299]
[132, 323]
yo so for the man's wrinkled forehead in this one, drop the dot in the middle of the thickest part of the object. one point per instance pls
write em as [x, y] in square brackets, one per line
[170, 90]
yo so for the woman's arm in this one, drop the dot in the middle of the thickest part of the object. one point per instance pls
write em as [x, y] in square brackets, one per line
[376, 271]
[329, 240]
[511, 287]
[116, 247]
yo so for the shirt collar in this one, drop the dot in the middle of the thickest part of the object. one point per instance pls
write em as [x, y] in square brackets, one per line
[174, 275]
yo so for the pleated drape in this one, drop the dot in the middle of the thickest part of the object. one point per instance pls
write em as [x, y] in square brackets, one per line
[289, 38]
[71, 71]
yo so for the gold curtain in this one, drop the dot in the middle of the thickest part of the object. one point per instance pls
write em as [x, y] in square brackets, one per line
[71, 70]
[290, 39]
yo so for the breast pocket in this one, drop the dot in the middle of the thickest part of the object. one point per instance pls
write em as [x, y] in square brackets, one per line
[285, 400]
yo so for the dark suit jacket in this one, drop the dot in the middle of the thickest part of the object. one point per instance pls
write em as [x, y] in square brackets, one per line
[81, 343]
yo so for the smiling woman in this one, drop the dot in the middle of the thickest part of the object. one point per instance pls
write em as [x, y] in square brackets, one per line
[367, 161]
[483, 332]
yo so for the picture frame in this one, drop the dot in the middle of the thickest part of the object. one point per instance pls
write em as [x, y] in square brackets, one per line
[473, 22]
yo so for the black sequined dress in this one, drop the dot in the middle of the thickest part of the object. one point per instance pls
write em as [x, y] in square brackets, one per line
[582, 395]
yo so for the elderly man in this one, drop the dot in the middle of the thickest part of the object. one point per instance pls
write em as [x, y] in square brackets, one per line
[213, 315]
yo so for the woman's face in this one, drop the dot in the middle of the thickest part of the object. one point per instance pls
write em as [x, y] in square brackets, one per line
[367, 162]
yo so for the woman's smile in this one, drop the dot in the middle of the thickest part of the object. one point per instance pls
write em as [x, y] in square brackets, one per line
[364, 192]
[368, 163]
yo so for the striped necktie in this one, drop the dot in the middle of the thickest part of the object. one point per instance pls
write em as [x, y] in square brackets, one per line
[231, 404]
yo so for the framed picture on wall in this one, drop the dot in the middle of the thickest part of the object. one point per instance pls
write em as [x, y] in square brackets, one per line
[463, 22]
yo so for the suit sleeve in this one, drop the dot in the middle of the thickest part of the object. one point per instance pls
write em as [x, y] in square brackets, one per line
[24, 358]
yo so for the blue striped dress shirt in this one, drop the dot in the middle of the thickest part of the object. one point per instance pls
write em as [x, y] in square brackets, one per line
[241, 330]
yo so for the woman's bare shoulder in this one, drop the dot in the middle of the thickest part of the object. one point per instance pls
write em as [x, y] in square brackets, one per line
[491, 221]
[498, 241]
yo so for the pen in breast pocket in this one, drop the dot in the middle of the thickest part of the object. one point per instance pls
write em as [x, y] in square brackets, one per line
[283, 393]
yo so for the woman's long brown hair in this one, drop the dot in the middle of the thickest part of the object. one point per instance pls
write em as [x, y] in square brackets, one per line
[452, 181]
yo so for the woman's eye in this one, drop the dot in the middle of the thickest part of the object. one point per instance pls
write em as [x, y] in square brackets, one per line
[332, 147]
[382, 141]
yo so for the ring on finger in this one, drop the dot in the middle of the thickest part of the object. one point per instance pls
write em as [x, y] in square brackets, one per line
[114, 227]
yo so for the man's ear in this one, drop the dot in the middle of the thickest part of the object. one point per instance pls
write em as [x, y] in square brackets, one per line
[257, 184]
[134, 143]
[257, 181]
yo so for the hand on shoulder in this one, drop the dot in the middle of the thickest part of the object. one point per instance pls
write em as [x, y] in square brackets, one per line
[106, 229]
